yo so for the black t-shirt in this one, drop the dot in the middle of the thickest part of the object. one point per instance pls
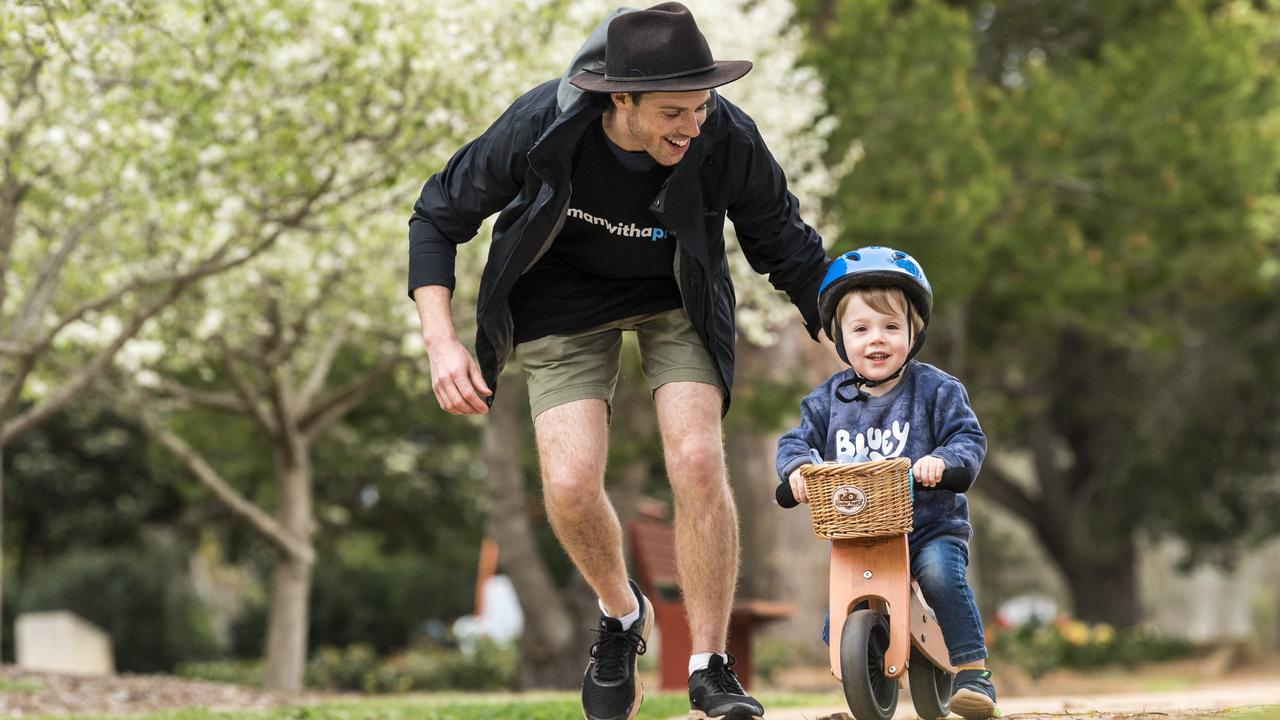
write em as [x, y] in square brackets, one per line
[611, 259]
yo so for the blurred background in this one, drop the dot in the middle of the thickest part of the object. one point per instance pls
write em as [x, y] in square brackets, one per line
[218, 439]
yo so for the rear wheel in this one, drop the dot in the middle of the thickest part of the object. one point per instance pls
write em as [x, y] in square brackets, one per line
[863, 644]
[930, 687]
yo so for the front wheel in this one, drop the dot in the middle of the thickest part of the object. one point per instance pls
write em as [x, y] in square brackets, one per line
[863, 644]
[930, 687]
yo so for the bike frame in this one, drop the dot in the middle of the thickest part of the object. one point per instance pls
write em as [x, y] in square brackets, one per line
[878, 571]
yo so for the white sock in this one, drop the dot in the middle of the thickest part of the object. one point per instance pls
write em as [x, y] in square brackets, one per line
[627, 620]
[700, 661]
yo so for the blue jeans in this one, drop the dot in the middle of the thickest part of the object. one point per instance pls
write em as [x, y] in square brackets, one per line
[940, 567]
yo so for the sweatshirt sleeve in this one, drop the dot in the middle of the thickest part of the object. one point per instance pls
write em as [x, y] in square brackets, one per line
[793, 446]
[961, 441]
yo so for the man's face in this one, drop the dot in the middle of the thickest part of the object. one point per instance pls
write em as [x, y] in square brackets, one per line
[664, 124]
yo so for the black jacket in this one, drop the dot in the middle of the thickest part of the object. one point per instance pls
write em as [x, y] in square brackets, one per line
[521, 166]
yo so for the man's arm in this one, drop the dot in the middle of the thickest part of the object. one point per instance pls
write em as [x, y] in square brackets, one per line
[480, 179]
[455, 376]
[774, 237]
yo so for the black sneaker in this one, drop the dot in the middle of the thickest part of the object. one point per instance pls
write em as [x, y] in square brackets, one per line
[611, 690]
[975, 696]
[715, 693]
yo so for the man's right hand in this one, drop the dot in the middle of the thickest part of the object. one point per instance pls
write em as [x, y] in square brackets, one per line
[456, 379]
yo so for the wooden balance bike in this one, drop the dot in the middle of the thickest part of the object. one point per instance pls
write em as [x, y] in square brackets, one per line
[881, 629]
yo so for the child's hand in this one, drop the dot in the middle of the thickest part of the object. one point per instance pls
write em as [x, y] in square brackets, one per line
[798, 487]
[928, 470]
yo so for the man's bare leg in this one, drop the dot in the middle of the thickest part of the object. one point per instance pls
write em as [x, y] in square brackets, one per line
[706, 517]
[573, 441]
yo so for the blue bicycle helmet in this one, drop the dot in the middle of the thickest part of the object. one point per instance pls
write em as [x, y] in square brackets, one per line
[874, 266]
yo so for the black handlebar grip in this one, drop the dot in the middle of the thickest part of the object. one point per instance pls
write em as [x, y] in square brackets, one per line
[955, 479]
[784, 496]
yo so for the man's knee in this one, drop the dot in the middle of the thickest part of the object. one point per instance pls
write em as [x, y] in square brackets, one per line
[572, 441]
[571, 490]
[696, 464]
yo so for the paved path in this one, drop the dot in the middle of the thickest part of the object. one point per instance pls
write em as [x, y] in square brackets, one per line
[1096, 707]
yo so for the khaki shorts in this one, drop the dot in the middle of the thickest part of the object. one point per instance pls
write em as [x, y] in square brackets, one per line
[585, 365]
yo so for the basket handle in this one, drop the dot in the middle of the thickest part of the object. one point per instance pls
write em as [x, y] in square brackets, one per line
[955, 479]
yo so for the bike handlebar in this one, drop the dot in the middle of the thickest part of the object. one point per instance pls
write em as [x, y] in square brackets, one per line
[955, 479]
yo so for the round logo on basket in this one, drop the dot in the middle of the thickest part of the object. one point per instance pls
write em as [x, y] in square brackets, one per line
[848, 500]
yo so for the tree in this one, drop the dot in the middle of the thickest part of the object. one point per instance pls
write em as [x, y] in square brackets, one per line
[1092, 217]
[281, 377]
[1146, 206]
[82, 480]
[147, 146]
[262, 342]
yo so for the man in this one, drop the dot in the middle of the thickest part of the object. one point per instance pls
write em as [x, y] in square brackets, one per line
[613, 204]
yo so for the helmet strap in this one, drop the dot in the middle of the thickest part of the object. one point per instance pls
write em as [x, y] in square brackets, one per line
[856, 382]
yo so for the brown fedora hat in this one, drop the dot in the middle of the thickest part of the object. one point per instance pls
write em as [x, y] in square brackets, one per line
[659, 49]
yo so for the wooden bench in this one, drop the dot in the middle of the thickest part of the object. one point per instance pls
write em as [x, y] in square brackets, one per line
[653, 550]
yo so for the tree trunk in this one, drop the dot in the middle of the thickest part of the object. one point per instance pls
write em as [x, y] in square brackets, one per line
[1104, 585]
[291, 580]
[751, 467]
[287, 625]
[781, 558]
[1101, 574]
[553, 648]
[2, 566]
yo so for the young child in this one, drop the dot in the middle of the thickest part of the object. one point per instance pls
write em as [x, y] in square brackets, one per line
[874, 304]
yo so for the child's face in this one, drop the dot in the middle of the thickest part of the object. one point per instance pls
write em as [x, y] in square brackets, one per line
[875, 343]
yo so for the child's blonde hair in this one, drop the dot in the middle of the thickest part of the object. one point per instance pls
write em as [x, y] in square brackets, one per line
[884, 299]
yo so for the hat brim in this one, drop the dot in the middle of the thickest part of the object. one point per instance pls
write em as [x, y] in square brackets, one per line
[725, 72]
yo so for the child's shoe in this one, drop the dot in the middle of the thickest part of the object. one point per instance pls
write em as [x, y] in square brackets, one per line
[975, 696]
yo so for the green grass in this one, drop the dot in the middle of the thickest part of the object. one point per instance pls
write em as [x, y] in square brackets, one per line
[20, 686]
[1167, 683]
[1261, 712]
[459, 706]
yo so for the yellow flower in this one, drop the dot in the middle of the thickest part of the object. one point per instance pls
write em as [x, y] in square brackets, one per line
[1076, 632]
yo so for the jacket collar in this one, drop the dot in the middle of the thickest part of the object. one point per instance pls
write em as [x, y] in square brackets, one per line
[554, 150]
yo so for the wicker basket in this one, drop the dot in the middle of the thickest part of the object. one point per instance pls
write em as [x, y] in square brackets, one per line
[871, 499]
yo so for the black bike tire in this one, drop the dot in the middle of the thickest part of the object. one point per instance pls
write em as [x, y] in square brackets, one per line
[931, 687]
[863, 644]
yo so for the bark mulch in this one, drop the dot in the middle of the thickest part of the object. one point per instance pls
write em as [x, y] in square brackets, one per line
[25, 693]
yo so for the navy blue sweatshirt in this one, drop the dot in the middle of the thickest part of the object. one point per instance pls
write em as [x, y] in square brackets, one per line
[926, 413]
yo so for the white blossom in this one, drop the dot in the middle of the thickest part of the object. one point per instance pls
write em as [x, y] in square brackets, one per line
[264, 113]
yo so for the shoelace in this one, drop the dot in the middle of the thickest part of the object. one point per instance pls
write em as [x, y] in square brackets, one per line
[722, 679]
[612, 651]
